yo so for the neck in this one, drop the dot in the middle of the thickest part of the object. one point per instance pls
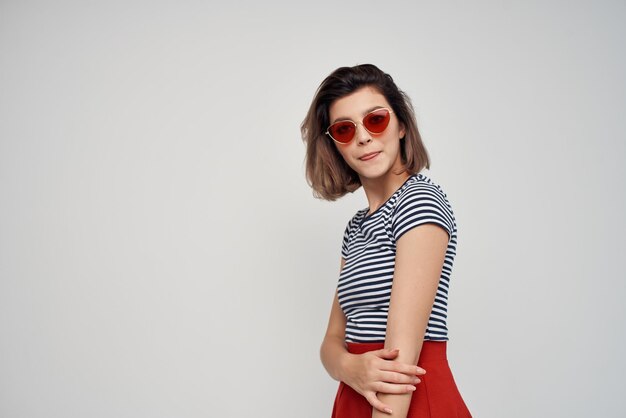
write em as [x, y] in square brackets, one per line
[379, 190]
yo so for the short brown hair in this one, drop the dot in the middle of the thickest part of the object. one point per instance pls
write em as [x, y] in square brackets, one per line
[326, 171]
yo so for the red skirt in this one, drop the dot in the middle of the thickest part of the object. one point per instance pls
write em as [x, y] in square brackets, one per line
[436, 396]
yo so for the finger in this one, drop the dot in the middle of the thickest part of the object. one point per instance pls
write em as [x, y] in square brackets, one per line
[408, 369]
[394, 377]
[386, 353]
[377, 404]
[394, 388]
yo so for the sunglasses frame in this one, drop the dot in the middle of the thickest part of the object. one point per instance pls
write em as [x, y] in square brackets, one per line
[361, 122]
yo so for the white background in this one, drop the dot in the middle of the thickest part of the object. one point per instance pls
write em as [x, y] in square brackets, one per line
[162, 256]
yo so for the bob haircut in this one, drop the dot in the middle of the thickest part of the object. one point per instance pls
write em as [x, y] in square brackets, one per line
[327, 173]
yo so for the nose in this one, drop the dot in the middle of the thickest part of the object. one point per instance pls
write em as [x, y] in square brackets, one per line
[362, 135]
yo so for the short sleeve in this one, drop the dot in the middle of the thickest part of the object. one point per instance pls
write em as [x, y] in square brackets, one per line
[344, 243]
[354, 222]
[422, 203]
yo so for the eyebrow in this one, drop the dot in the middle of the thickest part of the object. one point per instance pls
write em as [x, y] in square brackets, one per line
[371, 109]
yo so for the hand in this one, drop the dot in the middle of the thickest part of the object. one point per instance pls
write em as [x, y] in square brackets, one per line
[373, 372]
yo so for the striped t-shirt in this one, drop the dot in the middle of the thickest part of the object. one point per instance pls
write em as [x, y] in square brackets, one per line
[369, 250]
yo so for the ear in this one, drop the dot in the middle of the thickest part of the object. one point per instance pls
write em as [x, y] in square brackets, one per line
[402, 130]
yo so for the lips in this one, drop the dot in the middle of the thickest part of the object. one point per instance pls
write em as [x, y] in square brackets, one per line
[369, 156]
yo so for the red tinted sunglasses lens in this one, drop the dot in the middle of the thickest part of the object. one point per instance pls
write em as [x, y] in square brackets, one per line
[342, 131]
[377, 121]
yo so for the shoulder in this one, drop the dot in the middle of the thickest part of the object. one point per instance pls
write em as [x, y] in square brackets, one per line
[353, 224]
[420, 186]
[422, 201]
[355, 220]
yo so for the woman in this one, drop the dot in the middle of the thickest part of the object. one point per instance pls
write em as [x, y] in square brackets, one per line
[385, 344]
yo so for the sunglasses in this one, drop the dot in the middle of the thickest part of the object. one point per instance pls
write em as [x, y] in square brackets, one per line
[374, 122]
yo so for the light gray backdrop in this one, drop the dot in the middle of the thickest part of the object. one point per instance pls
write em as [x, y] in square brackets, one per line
[162, 256]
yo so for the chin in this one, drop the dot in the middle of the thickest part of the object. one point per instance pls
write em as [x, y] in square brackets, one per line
[374, 174]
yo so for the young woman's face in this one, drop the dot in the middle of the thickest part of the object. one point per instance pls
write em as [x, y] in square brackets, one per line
[370, 155]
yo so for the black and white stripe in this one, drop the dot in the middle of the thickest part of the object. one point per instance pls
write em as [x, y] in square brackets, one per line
[369, 249]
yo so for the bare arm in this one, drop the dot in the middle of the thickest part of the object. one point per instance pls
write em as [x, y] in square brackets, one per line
[367, 373]
[420, 254]
[333, 351]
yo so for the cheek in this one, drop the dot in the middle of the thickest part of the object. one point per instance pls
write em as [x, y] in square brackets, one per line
[345, 154]
[343, 151]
